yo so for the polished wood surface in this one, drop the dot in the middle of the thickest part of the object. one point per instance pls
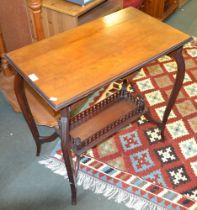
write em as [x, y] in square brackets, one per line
[75, 63]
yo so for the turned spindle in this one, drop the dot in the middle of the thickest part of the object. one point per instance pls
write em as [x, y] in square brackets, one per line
[35, 6]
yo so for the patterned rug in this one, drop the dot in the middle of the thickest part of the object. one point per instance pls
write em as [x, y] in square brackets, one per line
[135, 166]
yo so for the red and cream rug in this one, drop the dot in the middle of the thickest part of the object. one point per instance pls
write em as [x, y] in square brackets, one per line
[135, 166]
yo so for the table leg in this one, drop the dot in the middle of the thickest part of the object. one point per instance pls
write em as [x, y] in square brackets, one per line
[24, 106]
[66, 150]
[178, 57]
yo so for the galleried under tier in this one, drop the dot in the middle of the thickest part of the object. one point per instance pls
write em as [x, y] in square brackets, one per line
[102, 120]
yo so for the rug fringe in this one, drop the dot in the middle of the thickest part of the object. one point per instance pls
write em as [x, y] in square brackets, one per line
[111, 192]
[56, 166]
[100, 187]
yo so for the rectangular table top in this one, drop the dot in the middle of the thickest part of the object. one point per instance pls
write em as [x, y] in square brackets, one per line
[67, 67]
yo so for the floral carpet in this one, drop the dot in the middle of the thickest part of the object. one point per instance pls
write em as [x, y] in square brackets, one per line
[135, 166]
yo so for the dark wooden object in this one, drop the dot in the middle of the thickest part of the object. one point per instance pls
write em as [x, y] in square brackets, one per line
[160, 9]
[109, 116]
[65, 68]
[22, 100]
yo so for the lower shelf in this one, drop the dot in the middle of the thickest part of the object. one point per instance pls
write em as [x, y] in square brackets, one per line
[41, 111]
[102, 120]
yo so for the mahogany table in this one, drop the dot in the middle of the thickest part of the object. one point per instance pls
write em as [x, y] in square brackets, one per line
[69, 66]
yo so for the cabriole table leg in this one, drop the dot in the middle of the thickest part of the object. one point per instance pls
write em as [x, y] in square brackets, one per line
[178, 57]
[66, 150]
[24, 106]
